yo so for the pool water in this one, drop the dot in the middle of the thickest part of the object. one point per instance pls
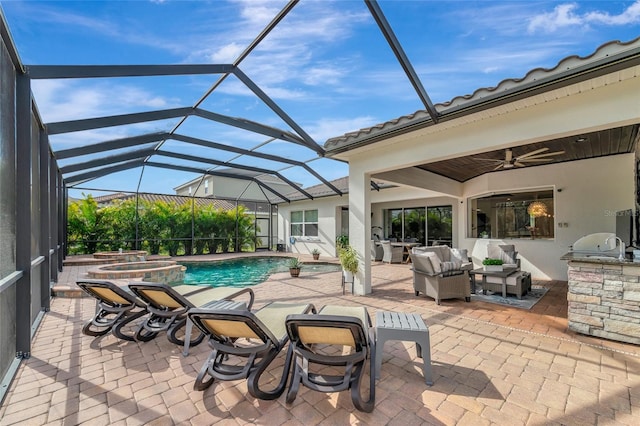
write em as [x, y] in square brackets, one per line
[244, 272]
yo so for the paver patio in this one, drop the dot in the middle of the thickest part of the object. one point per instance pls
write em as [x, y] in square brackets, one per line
[491, 365]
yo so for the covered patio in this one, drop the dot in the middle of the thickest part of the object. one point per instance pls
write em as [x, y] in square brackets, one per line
[491, 365]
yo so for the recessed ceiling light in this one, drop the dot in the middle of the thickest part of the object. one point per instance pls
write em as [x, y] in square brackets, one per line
[581, 139]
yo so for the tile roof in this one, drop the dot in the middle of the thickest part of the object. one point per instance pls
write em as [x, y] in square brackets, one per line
[607, 54]
[221, 204]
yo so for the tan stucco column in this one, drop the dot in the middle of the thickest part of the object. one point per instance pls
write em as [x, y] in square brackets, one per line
[360, 227]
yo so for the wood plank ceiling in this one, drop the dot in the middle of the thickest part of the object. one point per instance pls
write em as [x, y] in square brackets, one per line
[619, 140]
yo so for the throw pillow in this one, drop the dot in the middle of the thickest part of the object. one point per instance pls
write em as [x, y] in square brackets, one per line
[450, 268]
[459, 255]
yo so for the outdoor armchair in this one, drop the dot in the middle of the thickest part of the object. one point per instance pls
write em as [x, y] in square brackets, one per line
[439, 278]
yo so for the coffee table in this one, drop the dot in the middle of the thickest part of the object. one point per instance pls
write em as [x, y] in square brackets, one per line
[500, 274]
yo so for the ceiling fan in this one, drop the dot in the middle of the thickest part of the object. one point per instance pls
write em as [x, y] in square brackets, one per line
[510, 161]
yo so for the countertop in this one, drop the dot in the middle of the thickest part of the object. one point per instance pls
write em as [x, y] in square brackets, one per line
[597, 258]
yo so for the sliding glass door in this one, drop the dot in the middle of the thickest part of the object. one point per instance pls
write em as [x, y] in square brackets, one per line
[405, 224]
[439, 225]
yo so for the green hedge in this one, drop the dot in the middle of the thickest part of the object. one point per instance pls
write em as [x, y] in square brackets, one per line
[163, 228]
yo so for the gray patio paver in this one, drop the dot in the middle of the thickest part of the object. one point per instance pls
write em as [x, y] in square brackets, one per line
[491, 365]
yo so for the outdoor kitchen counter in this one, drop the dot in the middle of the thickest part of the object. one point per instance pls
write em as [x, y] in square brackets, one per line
[604, 297]
[598, 259]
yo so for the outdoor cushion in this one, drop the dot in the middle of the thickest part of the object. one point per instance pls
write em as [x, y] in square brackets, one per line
[423, 261]
[444, 252]
[504, 252]
[462, 256]
[511, 280]
[450, 268]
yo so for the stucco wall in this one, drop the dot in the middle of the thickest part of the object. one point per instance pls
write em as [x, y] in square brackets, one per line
[328, 224]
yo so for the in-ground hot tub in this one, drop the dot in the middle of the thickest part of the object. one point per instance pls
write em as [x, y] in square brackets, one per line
[160, 271]
[121, 256]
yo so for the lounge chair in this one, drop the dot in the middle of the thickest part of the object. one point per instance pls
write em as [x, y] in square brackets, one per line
[321, 340]
[168, 307]
[257, 336]
[115, 308]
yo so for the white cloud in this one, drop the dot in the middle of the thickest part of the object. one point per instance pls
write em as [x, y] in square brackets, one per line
[65, 100]
[566, 15]
[327, 128]
[629, 16]
[226, 54]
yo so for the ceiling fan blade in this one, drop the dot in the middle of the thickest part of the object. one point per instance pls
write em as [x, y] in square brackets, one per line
[535, 160]
[548, 154]
[508, 155]
[519, 164]
[499, 166]
[529, 154]
[488, 159]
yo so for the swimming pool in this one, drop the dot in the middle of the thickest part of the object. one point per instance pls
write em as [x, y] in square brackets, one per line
[245, 271]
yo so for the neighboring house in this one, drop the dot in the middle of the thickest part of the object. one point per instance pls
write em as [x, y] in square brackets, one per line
[585, 110]
[237, 185]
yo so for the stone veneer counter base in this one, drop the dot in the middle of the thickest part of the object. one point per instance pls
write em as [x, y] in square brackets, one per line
[604, 299]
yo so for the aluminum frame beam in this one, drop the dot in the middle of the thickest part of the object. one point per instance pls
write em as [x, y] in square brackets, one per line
[111, 145]
[397, 49]
[137, 154]
[38, 72]
[310, 143]
[251, 126]
[115, 120]
[83, 177]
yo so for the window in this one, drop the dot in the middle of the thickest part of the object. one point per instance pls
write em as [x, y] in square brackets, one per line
[206, 187]
[513, 215]
[304, 223]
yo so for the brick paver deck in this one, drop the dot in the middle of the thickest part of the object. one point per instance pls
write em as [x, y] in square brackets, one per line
[491, 365]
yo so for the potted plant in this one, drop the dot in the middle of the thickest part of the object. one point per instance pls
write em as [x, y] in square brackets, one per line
[342, 241]
[294, 266]
[492, 264]
[349, 261]
[316, 254]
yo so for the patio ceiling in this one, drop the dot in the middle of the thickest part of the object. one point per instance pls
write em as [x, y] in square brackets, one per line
[83, 164]
[620, 140]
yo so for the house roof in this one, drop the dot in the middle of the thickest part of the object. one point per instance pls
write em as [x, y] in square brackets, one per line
[122, 196]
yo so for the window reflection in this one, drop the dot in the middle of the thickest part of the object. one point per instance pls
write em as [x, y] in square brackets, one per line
[513, 215]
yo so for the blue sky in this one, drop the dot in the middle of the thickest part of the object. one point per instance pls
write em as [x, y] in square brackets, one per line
[326, 64]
